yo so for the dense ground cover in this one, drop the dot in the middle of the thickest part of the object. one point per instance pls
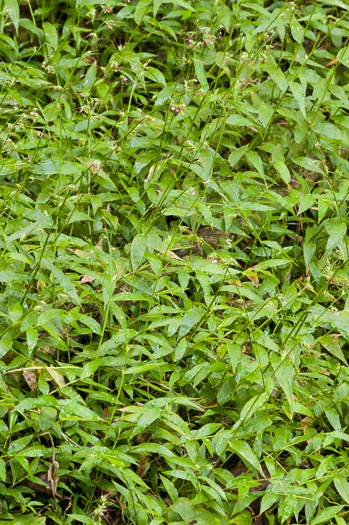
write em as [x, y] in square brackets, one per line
[174, 307]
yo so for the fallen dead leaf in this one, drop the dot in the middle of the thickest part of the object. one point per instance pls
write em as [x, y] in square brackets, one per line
[332, 63]
[30, 379]
[52, 475]
[253, 276]
[141, 466]
[105, 413]
[87, 279]
[307, 421]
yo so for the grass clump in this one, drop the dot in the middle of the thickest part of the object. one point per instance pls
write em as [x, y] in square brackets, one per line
[174, 308]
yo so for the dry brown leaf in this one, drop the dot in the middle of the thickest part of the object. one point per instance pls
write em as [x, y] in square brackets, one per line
[141, 466]
[52, 474]
[79, 253]
[332, 63]
[40, 285]
[105, 413]
[87, 279]
[30, 379]
[307, 421]
[253, 276]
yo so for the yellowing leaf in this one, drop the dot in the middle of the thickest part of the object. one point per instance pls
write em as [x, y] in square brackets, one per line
[253, 276]
[56, 376]
[169, 253]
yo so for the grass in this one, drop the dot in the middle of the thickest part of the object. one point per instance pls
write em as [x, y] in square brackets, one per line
[174, 307]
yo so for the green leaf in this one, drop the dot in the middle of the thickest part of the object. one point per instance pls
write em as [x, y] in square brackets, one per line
[2, 470]
[234, 352]
[47, 418]
[298, 93]
[336, 3]
[182, 3]
[252, 406]
[322, 208]
[77, 412]
[78, 216]
[156, 5]
[244, 451]
[309, 248]
[201, 76]
[51, 167]
[19, 444]
[225, 391]
[138, 247]
[265, 113]
[336, 230]
[283, 171]
[194, 513]
[331, 132]
[271, 264]
[50, 33]
[90, 78]
[284, 374]
[5, 345]
[305, 203]
[268, 501]
[333, 347]
[8, 276]
[63, 280]
[342, 487]
[190, 319]
[326, 514]
[26, 520]
[12, 8]
[276, 74]
[338, 319]
[148, 418]
[143, 7]
[164, 95]
[296, 30]
[238, 120]
[243, 518]
[90, 368]
[155, 448]
[171, 489]
[32, 338]
[309, 164]
[256, 161]
[333, 417]
[15, 312]
[237, 154]
[156, 75]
